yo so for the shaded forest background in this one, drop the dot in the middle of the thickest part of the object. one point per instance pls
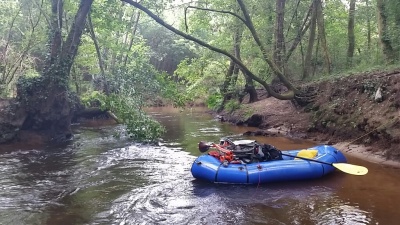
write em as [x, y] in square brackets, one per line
[59, 58]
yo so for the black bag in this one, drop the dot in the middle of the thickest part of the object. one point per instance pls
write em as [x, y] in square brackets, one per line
[244, 150]
[269, 152]
[254, 151]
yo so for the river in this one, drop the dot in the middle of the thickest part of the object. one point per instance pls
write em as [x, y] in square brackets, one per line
[101, 178]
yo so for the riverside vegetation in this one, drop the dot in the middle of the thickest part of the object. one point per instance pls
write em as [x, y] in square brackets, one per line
[282, 63]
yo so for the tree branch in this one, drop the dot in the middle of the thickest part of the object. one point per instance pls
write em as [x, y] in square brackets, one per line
[71, 44]
[273, 66]
[132, 38]
[300, 34]
[96, 44]
[212, 10]
[43, 13]
[9, 32]
[286, 96]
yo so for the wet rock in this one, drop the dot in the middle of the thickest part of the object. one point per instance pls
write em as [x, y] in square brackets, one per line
[259, 133]
[378, 95]
[220, 118]
[297, 135]
[255, 120]
[7, 132]
[11, 120]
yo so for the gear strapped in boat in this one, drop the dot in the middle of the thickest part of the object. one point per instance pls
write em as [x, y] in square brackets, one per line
[242, 151]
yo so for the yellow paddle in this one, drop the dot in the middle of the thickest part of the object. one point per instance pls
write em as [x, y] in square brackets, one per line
[344, 167]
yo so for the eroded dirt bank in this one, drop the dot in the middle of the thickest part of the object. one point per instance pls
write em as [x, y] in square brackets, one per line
[359, 114]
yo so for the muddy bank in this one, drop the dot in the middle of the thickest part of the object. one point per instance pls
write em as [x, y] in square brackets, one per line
[14, 136]
[345, 112]
[366, 153]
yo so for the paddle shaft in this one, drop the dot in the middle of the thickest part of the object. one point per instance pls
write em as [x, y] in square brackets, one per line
[307, 159]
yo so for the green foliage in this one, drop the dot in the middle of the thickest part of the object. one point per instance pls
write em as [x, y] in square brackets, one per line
[128, 109]
[248, 112]
[201, 77]
[172, 91]
[21, 36]
[214, 101]
[131, 60]
[93, 99]
[167, 49]
[393, 13]
[232, 105]
[139, 125]
[29, 86]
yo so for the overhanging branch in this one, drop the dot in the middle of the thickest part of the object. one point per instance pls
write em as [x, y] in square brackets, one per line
[213, 10]
[287, 96]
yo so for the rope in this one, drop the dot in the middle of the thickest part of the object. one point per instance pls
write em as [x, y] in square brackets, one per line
[259, 179]
[371, 131]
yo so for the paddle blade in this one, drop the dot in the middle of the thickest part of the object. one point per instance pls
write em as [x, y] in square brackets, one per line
[351, 169]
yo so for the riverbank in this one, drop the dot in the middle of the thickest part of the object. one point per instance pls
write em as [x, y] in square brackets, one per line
[366, 153]
[346, 112]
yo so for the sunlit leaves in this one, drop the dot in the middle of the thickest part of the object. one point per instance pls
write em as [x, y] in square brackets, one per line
[21, 35]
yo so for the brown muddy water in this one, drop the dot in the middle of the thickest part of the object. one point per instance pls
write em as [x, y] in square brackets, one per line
[100, 178]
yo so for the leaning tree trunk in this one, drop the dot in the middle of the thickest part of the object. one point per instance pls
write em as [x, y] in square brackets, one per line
[47, 100]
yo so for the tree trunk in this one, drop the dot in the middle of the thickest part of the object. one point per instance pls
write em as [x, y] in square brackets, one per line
[268, 34]
[350, 33]
[368, 26]
[71, 45]
[132, 38]
[96, 45]
[322, 36]
[249, 85]
[103, 82]
[311, 40]
[226, 94]
[302, 30]
[386, 43]
[279, 48]
[250, 89]
[56, 26]
[46, 99]
[233, 70]
[115, 56]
